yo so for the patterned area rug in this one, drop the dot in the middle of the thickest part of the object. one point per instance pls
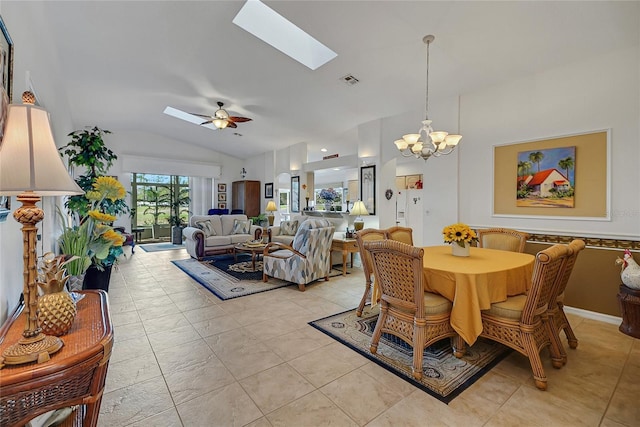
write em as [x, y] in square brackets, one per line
[444, 376]
[157, 247]
[228, 279]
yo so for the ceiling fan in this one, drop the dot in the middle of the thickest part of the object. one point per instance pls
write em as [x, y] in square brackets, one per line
[221, 119]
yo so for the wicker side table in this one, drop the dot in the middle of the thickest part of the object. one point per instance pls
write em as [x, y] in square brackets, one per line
[75, 375]
[629, 300]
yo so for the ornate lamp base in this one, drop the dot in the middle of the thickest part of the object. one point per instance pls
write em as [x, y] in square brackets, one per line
[358, 224]
[35, 349]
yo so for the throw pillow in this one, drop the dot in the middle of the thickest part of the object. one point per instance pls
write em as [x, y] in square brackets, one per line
[206, 227]
[288, 228]
[241, 226]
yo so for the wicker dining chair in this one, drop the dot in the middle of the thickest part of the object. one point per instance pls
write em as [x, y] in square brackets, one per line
[503, 239]
[406, 311]
[368, 234]
[557, 316]
[400, 234]
[521, 322]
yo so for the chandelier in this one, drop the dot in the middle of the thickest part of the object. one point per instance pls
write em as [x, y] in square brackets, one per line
[427, 142]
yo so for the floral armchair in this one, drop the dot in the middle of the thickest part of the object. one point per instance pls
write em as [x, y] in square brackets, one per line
[307, 259]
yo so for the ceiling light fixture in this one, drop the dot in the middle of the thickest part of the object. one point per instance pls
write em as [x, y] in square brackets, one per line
[433, 143]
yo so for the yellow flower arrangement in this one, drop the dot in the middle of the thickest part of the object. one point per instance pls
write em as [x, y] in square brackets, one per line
[95, 241]
[459, 233]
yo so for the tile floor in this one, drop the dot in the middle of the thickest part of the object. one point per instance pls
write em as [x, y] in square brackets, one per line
[182, 357]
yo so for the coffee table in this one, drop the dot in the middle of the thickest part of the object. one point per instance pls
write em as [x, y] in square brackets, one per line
[255, 252]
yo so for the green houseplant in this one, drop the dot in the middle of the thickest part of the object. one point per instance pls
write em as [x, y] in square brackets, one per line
[95, 211]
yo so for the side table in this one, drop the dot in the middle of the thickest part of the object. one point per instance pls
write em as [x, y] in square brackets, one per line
[629, 300]
[75, 375]
[346, 246]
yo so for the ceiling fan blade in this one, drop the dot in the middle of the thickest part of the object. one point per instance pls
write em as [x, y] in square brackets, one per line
[239, 119]
[206, 123]
[230, 124]
[206, 116]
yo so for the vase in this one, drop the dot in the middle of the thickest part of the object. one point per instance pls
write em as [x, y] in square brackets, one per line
[97, 279]
[327, 205]
[56, 308]
[75, 282]
[458, 250]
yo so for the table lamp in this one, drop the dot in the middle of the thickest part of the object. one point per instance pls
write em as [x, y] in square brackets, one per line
[30, 167]
[271, 208]
[358, 209]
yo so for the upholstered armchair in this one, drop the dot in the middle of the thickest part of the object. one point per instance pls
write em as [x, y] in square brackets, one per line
[308, 258]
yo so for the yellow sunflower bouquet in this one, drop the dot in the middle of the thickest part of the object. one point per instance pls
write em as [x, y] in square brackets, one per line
[459, 233]
[95, 241]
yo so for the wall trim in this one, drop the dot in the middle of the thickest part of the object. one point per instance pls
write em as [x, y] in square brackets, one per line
[606, 318]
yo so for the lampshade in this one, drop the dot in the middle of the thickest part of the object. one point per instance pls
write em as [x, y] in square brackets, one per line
[359, 209]
[29, 159]
[271, 206]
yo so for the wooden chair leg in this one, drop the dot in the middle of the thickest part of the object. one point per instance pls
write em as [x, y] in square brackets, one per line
[459, 346]
[301, 287]
[363, 301]
[377, 332]
[531, 349]
[558, 354]
[264, 277]
[571, 337]
[418, 348]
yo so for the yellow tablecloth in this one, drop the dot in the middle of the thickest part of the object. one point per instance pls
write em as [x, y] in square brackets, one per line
[473, 283]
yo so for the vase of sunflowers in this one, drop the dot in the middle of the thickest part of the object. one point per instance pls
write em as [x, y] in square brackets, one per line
[95, 242]
[460, 236]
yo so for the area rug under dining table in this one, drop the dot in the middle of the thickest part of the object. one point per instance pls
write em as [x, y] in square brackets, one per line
[444, 376]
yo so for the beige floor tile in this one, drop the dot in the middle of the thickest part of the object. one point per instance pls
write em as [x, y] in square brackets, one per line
[328, 363]
[129, 331]
[157, 311]
[164, 323]
[118, 319]
[388, 379]
[158, 301]
[248, 360]
[271, 328]
[360, 396]
[314, 409]
[128, 372]
[195, 380]
[204, 313]
[226, 407]
[216, 326]
[134, 403]
[129, 349]
[299, 342]
[173, 337]
[181, 357]
[624, 406]
[275, 387]
[168, 418]
[260, 422]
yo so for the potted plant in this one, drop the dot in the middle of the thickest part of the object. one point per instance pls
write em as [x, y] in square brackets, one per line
[95, 211]
[176, 219]
[260, 220]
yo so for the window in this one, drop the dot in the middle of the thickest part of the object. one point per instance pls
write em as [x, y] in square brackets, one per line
[159, 199]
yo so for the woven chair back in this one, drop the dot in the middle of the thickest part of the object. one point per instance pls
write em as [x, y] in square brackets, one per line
[575, 247]
[503, 239]
[401, 234]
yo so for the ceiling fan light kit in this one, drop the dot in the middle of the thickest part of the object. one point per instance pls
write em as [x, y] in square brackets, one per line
[433, 143]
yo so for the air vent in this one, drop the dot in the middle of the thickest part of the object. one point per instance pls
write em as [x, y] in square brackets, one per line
[350, 80]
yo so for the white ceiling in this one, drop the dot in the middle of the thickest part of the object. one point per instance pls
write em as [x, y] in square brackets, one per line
[124, 62]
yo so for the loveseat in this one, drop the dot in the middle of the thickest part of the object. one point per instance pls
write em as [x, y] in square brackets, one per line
[217, 234]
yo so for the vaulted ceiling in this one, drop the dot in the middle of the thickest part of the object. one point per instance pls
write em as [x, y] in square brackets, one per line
[123, 62]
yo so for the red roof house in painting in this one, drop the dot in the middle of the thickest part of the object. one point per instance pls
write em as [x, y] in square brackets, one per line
[542, 182]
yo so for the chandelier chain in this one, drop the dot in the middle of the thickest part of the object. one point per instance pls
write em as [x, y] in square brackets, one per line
[426, 109]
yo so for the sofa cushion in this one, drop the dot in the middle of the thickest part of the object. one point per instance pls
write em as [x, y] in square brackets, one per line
[288, 228]
[228, 222]
[287, 240]
[214, 219]
[217, 241]
[240, 238]
[206, 226]
[241, 226]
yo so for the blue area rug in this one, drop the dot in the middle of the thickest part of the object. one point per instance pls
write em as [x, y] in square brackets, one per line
[157, 247]
[443, 375]
[225, 278]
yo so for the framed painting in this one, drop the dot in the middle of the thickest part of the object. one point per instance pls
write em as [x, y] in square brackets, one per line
[222, 206]
[295, 194]
[222, 188]
[368, 188]
[268, 190]
[6, 60]
[564, 177]
[222, 197]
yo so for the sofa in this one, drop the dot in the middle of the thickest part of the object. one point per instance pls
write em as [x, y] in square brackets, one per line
[286, 230]
[217, 234]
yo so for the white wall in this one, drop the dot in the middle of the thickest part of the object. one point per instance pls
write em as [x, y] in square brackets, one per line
[597, 93]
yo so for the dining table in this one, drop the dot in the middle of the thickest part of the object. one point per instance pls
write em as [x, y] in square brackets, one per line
[474, 282]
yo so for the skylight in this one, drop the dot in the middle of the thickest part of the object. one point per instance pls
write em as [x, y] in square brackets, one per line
[272, 28]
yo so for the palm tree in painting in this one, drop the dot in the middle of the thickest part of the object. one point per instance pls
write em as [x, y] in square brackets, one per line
[536, 157]
[524, 167]
[566, 164]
